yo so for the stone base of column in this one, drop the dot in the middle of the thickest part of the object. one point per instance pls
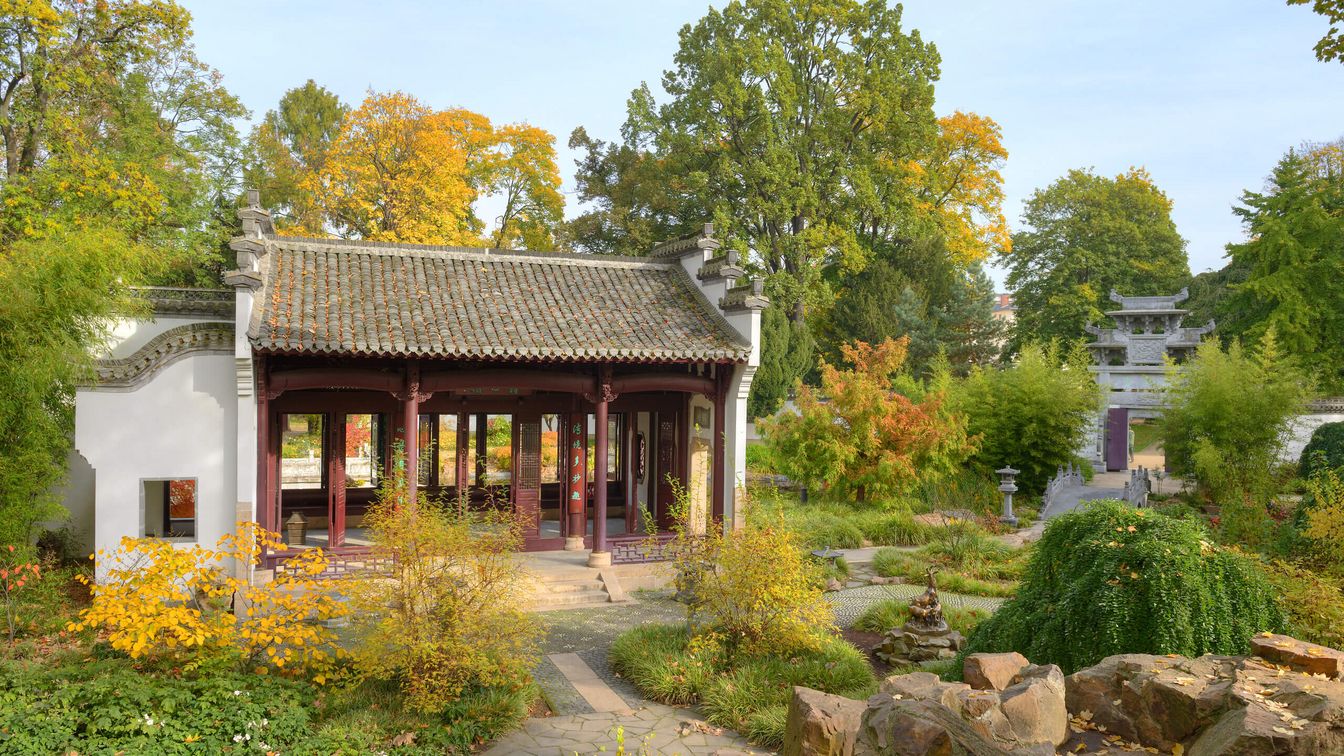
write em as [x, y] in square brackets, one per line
[574, 543]
[599, 559]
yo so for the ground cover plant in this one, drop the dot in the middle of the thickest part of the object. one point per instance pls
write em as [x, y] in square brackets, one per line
[1108, 579]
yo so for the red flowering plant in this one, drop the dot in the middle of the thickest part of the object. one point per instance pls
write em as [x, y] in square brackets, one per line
[14, 575]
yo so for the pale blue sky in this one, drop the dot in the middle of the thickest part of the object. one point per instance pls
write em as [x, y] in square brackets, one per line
[1207, 94]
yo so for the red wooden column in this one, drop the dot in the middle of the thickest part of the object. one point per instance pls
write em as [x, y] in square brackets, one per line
[576, 443]
[336, 480]
[719, 464]
[601, 555]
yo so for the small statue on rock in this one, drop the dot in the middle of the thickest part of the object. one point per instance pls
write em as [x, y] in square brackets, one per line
[926, 613]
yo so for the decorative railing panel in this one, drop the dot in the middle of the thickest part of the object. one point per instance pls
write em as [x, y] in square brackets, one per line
[640, 549]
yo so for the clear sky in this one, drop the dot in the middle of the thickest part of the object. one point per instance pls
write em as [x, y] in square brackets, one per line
[1206, 94]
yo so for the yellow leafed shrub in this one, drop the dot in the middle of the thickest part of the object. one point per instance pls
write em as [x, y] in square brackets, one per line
[183, 604]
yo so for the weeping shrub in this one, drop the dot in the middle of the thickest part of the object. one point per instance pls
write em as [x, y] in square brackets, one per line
[1109, 579]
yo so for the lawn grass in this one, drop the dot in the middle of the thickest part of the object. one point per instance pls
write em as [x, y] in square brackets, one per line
[747, 693]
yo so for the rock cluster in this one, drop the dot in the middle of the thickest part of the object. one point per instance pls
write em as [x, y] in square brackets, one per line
[906, 644]
[1289, 699]
[918, 713]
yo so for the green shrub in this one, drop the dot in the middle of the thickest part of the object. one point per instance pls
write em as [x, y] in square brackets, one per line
[758, 459]
[823, 529]
[885, 615]
[1108, 579]
[964, 544]
[1030, 415]
[1325, 449]
[747, 693]
[1229, 414]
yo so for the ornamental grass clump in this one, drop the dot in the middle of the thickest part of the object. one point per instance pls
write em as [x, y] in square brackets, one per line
[1109, 579]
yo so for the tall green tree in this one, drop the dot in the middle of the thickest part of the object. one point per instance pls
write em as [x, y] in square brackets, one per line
[805, 131]
[109, 118]
[915, 290]
[288, 144]
[58, 298]
[1087, 235]
[787, 352]
[1293, 259]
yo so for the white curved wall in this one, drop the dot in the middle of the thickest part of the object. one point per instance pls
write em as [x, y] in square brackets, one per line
[181, 423]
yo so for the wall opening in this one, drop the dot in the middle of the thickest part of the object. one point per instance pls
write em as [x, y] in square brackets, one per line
[168, 508]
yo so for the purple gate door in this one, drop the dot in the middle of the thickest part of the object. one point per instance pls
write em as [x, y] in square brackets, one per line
[1117, 439]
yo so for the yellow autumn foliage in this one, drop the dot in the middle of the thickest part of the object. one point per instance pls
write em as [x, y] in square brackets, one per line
[184, 604]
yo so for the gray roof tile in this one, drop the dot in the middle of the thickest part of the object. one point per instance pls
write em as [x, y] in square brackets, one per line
[339, 297]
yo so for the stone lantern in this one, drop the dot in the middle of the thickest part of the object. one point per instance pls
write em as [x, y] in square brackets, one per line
[1008, 487]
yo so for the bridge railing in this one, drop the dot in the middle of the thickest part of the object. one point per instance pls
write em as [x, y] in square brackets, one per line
[1138, 486]
[1070, 475]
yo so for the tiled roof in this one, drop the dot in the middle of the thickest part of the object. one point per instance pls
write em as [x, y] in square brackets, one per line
[341, 297]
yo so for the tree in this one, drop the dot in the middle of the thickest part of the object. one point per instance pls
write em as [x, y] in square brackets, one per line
[290, 143]
[397, 173]
[1331, 46]
[1030, 415]
[1086, 236]
[108, 118]
[1293, 259]
[915, 290]
[1228, 415]
[524, 171]
[787, 352]
[806, 132]
[865, 438]
[398, 170]
[58, 297]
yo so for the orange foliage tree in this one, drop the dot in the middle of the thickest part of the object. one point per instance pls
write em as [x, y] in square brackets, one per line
[859, 436]
[400, 171]
[960, 185]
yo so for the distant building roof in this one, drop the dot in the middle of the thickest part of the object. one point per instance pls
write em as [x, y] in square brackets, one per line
[327, 296]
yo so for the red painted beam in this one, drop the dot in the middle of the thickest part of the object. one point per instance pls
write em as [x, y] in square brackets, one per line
[532, 380]
[330, 378]
[685, 382]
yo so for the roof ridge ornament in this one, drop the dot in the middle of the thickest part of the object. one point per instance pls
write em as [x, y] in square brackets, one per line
[696, 242]
[251, 246]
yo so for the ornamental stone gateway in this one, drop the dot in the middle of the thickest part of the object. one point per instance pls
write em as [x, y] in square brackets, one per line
[1129, 361]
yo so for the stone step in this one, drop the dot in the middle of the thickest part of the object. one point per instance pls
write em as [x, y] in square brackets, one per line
[571, 586]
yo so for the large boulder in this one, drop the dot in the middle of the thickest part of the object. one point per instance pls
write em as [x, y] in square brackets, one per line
[1301, 656]
[992, 671]
[901, 727]
[1210, 705]
[821, 724]
[1034, 706]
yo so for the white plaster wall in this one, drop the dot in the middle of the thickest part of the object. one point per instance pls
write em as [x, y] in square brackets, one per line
[1301, 431]
[129, 335]
[182, 423]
